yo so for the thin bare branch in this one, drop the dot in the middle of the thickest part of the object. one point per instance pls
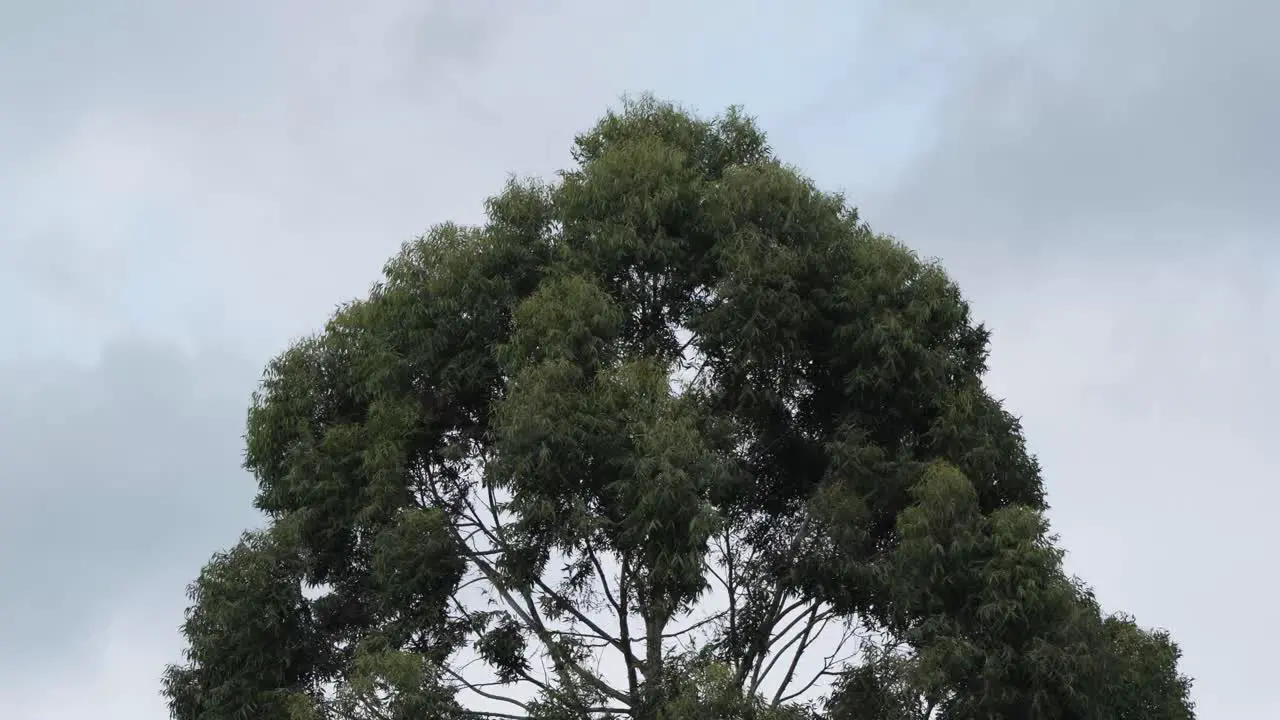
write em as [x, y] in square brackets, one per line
[476, 688]
[795, 658]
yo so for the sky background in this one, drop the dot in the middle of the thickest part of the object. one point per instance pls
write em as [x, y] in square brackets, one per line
[185, 187]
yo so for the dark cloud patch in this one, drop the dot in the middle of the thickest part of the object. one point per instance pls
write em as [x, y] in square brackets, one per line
[1141, 127]
[119, 474]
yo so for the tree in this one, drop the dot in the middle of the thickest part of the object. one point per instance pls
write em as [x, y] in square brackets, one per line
[674, 436]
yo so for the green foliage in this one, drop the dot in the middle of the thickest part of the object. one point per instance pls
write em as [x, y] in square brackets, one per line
[252, 643]
[1141, 676]
[638, 446]
[884, 686]
[998, 630]
[707, 691]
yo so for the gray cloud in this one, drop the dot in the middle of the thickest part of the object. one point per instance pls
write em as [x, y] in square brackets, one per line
[118, 474]
[1137, 127]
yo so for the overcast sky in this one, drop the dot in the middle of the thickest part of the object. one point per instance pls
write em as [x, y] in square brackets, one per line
[184, 187]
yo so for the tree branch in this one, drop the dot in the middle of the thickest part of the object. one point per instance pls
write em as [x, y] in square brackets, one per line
[473, 687]
[795, 659]
[526, 611]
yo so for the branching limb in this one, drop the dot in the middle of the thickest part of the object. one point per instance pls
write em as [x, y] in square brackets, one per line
[795, 658]
[477, 688]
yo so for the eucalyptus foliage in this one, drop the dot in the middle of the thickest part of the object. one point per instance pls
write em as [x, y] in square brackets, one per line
[674, 436]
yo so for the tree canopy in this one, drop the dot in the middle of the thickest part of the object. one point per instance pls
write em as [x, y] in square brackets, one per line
[675, 435]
